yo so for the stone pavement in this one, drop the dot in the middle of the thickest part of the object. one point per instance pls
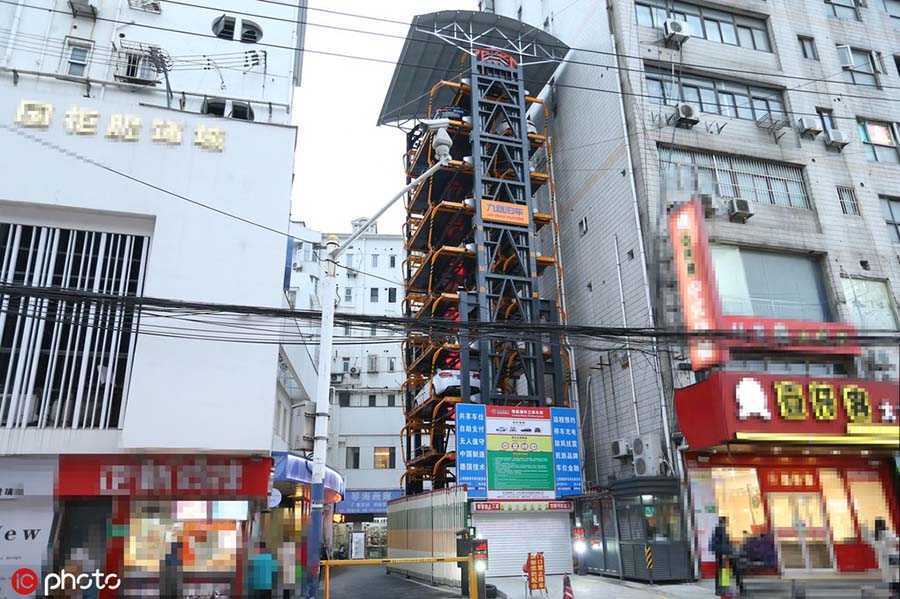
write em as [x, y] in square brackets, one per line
[373, 582]
[600, 587]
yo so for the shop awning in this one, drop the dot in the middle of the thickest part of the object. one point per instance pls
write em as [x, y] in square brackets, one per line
[436, 42]
[779, 409]
[292, 468]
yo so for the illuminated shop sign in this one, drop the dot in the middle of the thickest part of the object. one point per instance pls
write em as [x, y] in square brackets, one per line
[118, 127]
[504, 212]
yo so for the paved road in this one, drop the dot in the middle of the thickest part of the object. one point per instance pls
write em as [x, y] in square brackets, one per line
[371, 582]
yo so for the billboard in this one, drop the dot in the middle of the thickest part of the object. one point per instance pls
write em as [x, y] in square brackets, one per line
[504, 212]
[513, 452]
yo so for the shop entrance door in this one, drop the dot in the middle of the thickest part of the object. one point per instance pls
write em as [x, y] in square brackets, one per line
[801, 535]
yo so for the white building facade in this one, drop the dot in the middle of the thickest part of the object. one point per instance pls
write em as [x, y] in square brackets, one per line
[785, 117]
[367, 371]
[148, 151]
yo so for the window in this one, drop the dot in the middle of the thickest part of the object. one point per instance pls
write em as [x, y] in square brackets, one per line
[839, 517]
[223, 27]
[867, 496]
[392, 364]
[373, 400]
[349, 261]
[880, 140]
[769, 284]
[734, 99]
[583, 226]
[392, 295]
[346, 330]
[860, 66]
[345, 364]
[707, 23]
[373, 330]
[49, 353]
[392, 399]
[843, 9]
[373, 363]
[869, 304]
[385, 458]
[374, 260]
[79, 56]
[250, 32]
[344, 399]
[737, 177]
[392, 261]
[892, 7]
[213, 106]
[890, 208]
[352, 458]
[808, 47]
[738, 498]
[849, 203]
[826, 118]
[241, 111]
[146, 5]
[373, 294]
[348, 294]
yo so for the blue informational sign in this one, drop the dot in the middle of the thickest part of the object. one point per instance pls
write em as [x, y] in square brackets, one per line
[366, 502]
[513, 452]
[471, 449]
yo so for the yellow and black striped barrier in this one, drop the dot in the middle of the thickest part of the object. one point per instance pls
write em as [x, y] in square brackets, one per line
[648, 556]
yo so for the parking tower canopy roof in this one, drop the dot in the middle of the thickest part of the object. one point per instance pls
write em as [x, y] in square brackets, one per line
[433, 50]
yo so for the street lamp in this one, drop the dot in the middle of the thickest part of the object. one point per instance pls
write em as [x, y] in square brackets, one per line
[441, 144]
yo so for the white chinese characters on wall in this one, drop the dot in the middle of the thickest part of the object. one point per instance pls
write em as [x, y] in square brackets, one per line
[119, 127]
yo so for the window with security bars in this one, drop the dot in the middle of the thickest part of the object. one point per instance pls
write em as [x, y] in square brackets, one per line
[738, 177]
[65, 361]
[849, 203]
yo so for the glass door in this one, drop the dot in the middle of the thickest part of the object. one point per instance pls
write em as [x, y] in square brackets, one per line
[801, 534]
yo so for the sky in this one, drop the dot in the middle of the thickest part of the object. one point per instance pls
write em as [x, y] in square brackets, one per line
[346, 166]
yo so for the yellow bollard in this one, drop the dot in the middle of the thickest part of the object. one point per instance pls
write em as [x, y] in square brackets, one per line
[327, 579]
[473, 579]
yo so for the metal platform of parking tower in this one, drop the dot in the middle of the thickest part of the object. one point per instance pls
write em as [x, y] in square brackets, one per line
[472, 229]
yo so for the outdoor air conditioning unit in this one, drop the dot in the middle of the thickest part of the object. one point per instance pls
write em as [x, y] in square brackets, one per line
[647, 455]
[676, 32]
[351, 274]
[686, 115]
[337, 377]
[298, 267]
[354, 371]
[836, 139]
[620, 448]
[84, 8]
[808, 126]
[739, 210]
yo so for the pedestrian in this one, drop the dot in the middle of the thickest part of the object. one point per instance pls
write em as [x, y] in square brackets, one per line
[171, 573]
[342, 551]
[885, 545]
[262, 571]
[720, 544]
[287, 558]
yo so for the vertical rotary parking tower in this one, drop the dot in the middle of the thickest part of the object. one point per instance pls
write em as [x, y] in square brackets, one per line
[472, 230]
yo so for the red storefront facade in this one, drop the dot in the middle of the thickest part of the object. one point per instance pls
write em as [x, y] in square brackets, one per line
[206, 503]
[800, 466]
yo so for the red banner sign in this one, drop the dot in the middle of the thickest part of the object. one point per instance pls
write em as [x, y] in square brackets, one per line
[163, 476]
[537, 572]
[730, 405]
[523, 506]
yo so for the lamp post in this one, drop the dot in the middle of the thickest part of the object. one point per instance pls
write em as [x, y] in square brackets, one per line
[441, 144]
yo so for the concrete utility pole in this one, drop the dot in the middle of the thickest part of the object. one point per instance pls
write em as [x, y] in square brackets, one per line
[441, 144]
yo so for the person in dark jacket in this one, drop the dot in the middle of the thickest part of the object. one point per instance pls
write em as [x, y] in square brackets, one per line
[170, 573]
[720, 543]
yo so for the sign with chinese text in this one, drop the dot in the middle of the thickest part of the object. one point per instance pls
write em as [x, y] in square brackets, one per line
[506, 452]
[366, 502]
[522, 506]
[759, 407]
[537, 572]
[504, 212]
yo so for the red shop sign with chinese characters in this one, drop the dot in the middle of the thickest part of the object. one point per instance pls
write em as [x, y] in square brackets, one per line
[163, 476]
[731, 405]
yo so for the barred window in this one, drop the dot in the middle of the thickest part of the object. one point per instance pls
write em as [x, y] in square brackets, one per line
[707, 23]
[849, 203]
[66, 362]
[739, 177]
[715, 96]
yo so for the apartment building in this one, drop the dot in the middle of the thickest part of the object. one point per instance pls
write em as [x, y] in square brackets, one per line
[731, 165]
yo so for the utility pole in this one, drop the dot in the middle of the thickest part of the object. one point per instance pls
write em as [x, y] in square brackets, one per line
[441, 144]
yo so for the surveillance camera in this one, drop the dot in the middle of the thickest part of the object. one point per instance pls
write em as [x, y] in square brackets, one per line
[435, 124]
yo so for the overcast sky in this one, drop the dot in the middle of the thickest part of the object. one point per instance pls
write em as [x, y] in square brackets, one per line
[347, 167]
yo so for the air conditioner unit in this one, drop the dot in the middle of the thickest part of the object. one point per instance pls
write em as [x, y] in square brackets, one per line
[739, 210]
[354, 371]
[686, 115]
[337, 377]
[351, 274]
[647, 455]
[620, 448]
[676, 31]
[84, 8]
[808, 126]
[298, 267]
[836, 139]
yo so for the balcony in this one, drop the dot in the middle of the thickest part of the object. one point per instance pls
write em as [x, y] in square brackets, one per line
[141, 64]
